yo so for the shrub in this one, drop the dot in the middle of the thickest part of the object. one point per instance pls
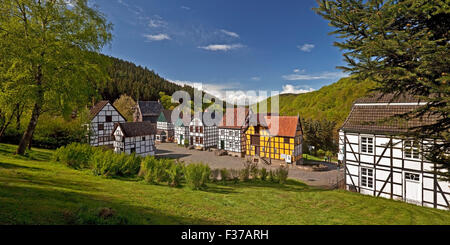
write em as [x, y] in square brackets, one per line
[282, 174]
[197, 175]
[244, 174]
[234, 175]
[75, 155]
[155, 171]
[272, 176]
[175, 174]
[320, 153]
[108, 163]
[224, 175]
[263, 174]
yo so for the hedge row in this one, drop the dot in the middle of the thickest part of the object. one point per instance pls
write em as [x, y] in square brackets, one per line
[158, 171]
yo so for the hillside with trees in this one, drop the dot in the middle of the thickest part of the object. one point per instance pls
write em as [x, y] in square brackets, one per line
[136, 81]
[332, 102]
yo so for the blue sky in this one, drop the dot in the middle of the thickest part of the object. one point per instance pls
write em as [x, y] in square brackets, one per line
[227, 44]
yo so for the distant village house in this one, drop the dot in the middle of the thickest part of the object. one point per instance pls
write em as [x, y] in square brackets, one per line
[232, 131]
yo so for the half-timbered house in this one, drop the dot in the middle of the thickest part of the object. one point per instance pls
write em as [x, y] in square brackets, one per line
[232, 131]
[201, 135]
[271, 137]
[165, 126]
[103, 116]
[382, 158]
[181, 132]
[135, 137]
[147, 111]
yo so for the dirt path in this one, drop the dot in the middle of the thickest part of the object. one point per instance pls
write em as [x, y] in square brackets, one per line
[323, 179]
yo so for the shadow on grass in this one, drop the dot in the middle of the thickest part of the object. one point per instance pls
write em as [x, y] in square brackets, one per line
[42, 205]
[14, 166]
[290, 185]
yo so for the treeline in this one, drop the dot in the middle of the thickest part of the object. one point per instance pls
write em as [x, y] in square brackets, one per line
[323, 111]
[136, 81]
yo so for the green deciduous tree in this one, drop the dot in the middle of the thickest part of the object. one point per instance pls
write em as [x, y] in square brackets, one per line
[403, 45]
[50, 49]
[125, 104]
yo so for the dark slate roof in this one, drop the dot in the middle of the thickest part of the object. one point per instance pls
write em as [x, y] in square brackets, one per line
[132, 129]
[240, 114]
[381, 118]
[97, 108]
[165, 116]
[150, 108]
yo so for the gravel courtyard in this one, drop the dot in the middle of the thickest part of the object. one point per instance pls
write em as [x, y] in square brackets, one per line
[324, 179]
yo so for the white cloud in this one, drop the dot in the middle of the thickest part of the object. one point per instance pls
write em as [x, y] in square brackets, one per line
[230, 33]
[291, 89]
[306, 47]
[226, 92]
[157, 22]
[321, 76]
[256, 78]
[185, 8]
[157, 37]
[221, 47]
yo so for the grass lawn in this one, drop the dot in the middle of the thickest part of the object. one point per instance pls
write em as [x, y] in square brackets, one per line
[34, 190]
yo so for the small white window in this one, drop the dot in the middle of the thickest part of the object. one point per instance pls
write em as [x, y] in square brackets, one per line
[411, 149]
[367, 178]
[367, 145]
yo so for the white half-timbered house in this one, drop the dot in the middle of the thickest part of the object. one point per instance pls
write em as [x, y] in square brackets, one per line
[135, 137]
[181, 132]
[202, 136]
[232, 131]
[165, 127]
[103, 116]
[382, 158]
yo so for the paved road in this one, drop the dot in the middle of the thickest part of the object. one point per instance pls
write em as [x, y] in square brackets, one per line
[323, 179]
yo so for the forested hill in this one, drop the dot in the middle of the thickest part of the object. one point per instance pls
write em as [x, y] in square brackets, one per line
[332, 102]
[136, 81]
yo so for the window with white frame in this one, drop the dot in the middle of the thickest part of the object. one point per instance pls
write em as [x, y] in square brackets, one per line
[411, 149]
[367, 178]
[367, 145]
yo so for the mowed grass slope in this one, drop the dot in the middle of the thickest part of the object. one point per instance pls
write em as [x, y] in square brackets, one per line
[34, 190]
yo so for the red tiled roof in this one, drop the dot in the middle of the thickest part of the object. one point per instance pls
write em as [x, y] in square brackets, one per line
[240, 115]
[282, 125]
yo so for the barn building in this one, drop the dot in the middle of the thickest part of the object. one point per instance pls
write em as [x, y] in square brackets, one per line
[103, 116]
[147, 111]
[232, 132]
[382, 159]
[165, 127]
[181, 132]
[200, 135]
[135, 137]
[273, 137]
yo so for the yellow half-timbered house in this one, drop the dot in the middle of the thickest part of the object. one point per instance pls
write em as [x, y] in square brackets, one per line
[275, 137]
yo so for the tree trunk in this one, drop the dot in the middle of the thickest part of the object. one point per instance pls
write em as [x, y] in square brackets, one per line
[18, 116]
[26, 138]
[5, 126]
